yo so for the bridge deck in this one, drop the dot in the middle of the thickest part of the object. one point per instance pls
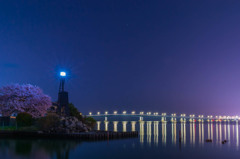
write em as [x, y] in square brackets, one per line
[173, 117]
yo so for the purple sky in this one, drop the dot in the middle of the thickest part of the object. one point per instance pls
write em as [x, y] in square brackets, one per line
[165, 56]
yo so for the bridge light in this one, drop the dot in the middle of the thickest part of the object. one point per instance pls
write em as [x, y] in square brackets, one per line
[98, 113]
[124, 112]
[115, 112]
[141, 113]
[174, 114]
[183, 115]
[164, 114]
[192, 116]
[90, 113]
[133, 112]
[106, 112]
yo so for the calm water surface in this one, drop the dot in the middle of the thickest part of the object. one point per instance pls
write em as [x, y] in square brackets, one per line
[156, 140]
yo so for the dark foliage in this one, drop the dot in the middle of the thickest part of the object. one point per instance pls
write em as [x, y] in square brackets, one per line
[48, 122]
[24, 119]
[74, 112]
[90, 121]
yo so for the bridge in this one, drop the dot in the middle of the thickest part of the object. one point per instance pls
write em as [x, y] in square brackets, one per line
[136, 121]
[164, 117]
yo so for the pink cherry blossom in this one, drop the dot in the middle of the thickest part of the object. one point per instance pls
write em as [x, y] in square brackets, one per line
[17, 98]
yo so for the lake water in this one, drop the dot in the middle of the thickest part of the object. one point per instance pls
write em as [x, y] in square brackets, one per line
[156, 140]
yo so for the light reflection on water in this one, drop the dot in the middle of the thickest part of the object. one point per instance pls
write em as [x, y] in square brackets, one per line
[175, 132]
[156, 139]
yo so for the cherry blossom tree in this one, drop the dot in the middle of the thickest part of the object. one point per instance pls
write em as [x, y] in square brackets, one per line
[27, 98]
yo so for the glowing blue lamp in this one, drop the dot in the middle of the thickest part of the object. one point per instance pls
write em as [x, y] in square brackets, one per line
[62, 74]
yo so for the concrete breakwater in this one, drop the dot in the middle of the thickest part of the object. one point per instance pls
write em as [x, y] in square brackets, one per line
[94, 135]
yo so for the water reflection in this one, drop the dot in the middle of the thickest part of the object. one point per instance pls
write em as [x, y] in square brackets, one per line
[229, 140]
[202, 133]
[198, 131]
[164, 133]
[237, 136]
[201, 138]
[183, 132]
[225, 131]
[141, 131]
[27, 148]
[209, 136]
[211, 130]
[217, 141]
[220, 132]
[155, 132]
[174, 135]
[149, 131]
[191, 135]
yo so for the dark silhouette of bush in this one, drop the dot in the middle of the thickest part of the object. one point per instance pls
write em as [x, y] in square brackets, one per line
[87, 120]
[48, 122]
[73, 111]
[24, 119]
[90, 121]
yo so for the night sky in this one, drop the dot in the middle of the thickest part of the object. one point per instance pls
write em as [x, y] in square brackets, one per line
[165, 56]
